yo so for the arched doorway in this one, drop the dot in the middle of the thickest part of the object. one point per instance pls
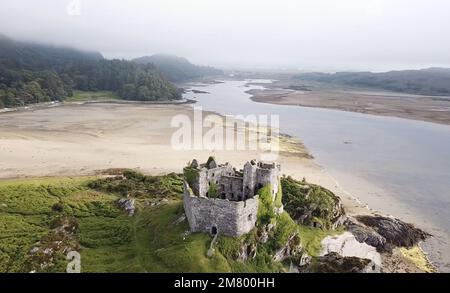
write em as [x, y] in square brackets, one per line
[213, 230]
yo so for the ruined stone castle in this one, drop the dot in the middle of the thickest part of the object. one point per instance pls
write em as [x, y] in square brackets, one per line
[220, 199]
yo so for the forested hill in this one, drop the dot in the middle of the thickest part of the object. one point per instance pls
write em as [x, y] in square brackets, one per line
[32, 73]
[32, 56]
[431, 81]
[178, 69]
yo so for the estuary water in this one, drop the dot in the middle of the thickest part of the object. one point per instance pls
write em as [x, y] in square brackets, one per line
[396, 166]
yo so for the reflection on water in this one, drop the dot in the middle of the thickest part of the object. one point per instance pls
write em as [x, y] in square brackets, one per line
[408, 159]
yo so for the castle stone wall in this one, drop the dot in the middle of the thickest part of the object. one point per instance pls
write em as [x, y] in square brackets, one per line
[234, 211]
[232, 218]
[268, 176]
[212, 175]
[231, 188]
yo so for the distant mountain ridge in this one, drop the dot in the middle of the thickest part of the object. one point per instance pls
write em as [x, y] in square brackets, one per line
[178, 69]
[430, 81]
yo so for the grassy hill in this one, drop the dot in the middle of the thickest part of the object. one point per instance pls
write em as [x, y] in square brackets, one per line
[42, 219]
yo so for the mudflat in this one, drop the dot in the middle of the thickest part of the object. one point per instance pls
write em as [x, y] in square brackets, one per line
[425, 108]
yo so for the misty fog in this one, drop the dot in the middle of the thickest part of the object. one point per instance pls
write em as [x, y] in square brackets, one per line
[292, 34]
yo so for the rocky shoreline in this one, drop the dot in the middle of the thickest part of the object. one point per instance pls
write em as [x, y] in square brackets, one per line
[363, 243]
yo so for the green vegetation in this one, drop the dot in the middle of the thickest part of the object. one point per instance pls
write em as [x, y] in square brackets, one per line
[310, 204]
[285, 227]
[279, 197]
[169, 249]
[177, 69]
[230, 249]
[191, 175]
[153, 240]
[138, 186]
[285, 233]
[266, 213]
[212, 191]
[431, 81]
[28, 215]
[83, 96]
[311, 238]
[32, 73]
[17, 235]
[418, 257]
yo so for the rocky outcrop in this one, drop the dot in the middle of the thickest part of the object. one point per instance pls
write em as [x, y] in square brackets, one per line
[127, 204]
[211, 249]
[335, 263]
[263, 232]
[305, 259]
[367, 235]
[180, 219]
[291, 249]
[194, 164]
[57, 243]
[312, 205]
[347, 245]
[395, 231]
[247, 251]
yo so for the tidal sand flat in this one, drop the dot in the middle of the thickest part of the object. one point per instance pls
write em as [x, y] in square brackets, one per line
[375, 102]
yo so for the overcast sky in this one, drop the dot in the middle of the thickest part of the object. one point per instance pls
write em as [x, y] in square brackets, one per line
[304, 34]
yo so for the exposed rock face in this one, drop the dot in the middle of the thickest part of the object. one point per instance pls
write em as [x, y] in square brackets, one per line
[263, 232]
[334, 263]
[199, 92]
[59, 241]
[264, 237]
[194, 163]
[396, 232]
[211, 164]
[312, 205]
[305, 259]
[211, 249]
[367, 235]
[339, 219]
[128, 205]
[347, 245]
[247, 251]
[181, 219]
[291, 249]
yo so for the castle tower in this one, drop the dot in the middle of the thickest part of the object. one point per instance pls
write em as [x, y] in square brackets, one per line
[218, 199]
[268, 173]
[249, 183]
